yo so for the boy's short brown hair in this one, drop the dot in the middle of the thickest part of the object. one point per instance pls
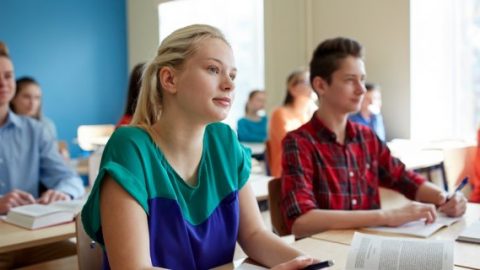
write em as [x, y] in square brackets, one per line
[326, 57]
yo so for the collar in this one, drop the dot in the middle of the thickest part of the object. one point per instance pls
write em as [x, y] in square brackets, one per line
[12, 119]
[324, 133]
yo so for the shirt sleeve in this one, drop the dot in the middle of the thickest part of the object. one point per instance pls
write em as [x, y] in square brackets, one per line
[54, 172]
[394, 175]
[297, 177]
[123, 161]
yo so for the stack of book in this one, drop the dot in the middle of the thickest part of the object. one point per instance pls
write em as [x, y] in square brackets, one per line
[34, 216]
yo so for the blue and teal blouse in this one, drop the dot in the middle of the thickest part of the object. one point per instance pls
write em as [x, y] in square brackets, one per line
[190, 227]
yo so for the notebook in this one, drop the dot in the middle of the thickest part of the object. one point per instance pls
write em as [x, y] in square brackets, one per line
[471, 233]
[418, 228]
[34, 216]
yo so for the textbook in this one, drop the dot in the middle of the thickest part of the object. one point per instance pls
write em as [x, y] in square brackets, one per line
[371, 252]
[418, 228]
[34, 216]
[471, 233]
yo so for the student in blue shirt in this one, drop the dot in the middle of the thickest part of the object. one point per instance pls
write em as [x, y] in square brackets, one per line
[172, 189]
[29, 155]
[29, 158]
[253, 127]
[369, 114]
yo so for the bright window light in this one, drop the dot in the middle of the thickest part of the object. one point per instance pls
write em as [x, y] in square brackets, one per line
[445, 69]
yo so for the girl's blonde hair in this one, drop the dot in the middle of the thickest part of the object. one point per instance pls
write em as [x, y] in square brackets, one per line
[173, 52]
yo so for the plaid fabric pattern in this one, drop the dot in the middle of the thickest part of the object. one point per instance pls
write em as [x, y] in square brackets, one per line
[319, 173]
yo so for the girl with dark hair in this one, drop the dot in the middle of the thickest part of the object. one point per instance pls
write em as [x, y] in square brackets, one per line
[133, 90]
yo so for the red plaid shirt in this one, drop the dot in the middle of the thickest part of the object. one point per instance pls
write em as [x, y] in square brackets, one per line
[320, 173]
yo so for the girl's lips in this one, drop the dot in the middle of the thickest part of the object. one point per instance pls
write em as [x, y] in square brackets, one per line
[223, 101]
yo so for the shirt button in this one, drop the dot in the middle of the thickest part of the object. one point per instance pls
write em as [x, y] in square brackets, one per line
[351, 174]
[368, 166]
[2, 184]
[354, 201]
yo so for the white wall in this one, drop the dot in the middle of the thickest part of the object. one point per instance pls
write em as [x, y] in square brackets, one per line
[143, 34]
[285, 45]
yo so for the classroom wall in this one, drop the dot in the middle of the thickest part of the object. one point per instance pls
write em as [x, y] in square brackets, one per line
[77, 50]
[294, 29]
[143, 30]
[285, 45]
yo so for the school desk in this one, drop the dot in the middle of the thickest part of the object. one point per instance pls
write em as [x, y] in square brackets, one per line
[465, 254]
[14, 238]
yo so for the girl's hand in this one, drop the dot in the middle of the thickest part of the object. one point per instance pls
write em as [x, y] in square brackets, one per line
[299, 262]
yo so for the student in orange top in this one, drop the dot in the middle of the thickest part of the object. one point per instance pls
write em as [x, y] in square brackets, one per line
[475, 195]
[296, 110]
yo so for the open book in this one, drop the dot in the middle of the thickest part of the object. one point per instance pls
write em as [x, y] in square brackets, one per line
[471, 233]
[370, 252]
[418, 228]
[34, 216]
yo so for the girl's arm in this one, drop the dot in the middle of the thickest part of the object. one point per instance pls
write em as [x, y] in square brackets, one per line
[260, 244]
[124, 228]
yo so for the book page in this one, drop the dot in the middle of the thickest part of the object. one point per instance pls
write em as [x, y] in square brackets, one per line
[369, 252]
[74, 206]
[34, 210]
[418, 227]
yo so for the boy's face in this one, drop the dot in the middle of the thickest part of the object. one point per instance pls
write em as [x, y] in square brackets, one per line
[7, 81]
[347, 87]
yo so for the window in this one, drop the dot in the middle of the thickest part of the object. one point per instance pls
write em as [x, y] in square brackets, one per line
[242, 23]
[445, 69]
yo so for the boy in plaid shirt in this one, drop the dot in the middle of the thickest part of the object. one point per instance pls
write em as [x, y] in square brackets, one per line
[332, 166]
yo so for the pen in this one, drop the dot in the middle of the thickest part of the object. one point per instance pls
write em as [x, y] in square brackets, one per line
[319, 265]
[459, 188]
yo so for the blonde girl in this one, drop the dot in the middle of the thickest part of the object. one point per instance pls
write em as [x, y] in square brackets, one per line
[172, 191]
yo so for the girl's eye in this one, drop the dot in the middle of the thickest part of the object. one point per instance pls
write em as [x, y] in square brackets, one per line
[232, 76]
[214, 69]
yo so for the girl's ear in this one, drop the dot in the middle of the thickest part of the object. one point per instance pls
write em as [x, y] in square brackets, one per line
[319, 85]
[167, 79]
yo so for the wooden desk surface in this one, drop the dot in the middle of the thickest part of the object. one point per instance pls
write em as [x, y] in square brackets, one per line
[14, 238]
[422, 159]
[466, 254]
[415, 155]
[320, 249]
